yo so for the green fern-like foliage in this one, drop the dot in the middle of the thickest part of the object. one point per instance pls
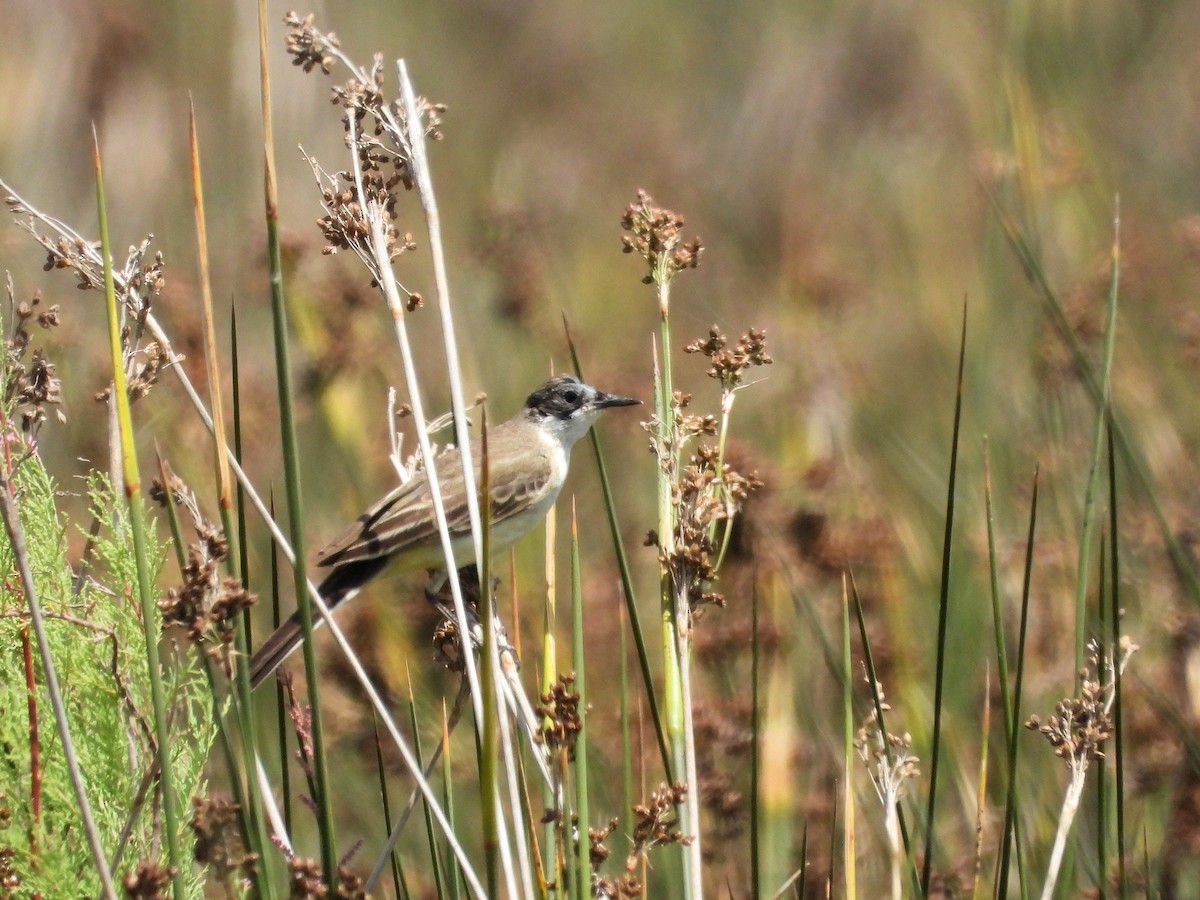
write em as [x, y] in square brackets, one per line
[98, 647]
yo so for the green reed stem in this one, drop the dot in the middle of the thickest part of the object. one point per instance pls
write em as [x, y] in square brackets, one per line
[943, 615]
[137, 522]
[1093, 478]
[291, 469]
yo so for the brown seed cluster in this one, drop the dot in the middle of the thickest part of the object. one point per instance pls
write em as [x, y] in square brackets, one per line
[305, 883]
[886, 755]
[10, 879]
[218, 838]
[301, 718]
[707, 493]
[655, 234]
[730, 363]
[207, 605]
[307, 47]
[148, 881]
[344, 225]
[376, 130]
[138, 283]
[139, 280]
[31, 386]
[559, 709]
[1081, 724]
[655, 824]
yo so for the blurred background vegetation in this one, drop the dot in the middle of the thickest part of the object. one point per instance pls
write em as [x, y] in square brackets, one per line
[836, 160]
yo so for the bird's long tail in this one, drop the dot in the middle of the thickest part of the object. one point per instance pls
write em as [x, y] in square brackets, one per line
[339, 586]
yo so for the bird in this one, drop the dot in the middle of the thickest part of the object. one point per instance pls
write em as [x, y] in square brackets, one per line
[528, 460]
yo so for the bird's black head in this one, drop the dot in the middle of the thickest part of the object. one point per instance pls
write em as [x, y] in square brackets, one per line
[565, 397]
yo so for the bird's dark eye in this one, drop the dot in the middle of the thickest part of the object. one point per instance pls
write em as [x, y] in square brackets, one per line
[571, 397]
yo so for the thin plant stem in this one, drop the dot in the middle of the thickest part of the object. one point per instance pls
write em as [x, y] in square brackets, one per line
[489, 793]
[943, 616]
[249, 805]
[551, 790]
[1103, 816]
[1012, 814]
[895, 811]
[1011, 840]
[627, 589]
[133, 497]
[382, 258]
[981, 794]
[848, 844]
[583, 883]
[423, 180]
[291, 469]
[1066, 816]
[1093, 476]
[1118, 712]
[755, 746]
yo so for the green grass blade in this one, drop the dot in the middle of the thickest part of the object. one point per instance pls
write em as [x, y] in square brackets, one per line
[1103, 812]
[877, 701]
[291, 468]
[436, 864]
[848, 751]
[943, 615]
[1118, 713]
[985, 727]
[235, 397]
[583, 879]
[251, 803]
[803, 862]
[281, 715]
[1093, 477]
[133, 496]
[1011, 843]
[453, 872]
[627, 783]
[398, 882]
[1139, 470]
[1012, 812]
[755, 746]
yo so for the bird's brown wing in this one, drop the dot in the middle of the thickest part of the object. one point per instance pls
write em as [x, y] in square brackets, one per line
[404, 519]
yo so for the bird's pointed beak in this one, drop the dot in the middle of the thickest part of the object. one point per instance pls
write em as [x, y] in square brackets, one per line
[604, 401]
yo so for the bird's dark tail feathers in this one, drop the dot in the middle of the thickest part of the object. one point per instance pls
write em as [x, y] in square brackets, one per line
[339, 585]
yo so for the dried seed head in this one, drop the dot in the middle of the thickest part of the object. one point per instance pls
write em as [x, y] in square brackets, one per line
[655, 234]
[729, 365]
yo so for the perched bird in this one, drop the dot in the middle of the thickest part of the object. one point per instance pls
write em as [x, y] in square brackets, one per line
[528, 458]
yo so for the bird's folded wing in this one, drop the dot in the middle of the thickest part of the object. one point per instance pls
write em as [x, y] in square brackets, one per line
[404, 518]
